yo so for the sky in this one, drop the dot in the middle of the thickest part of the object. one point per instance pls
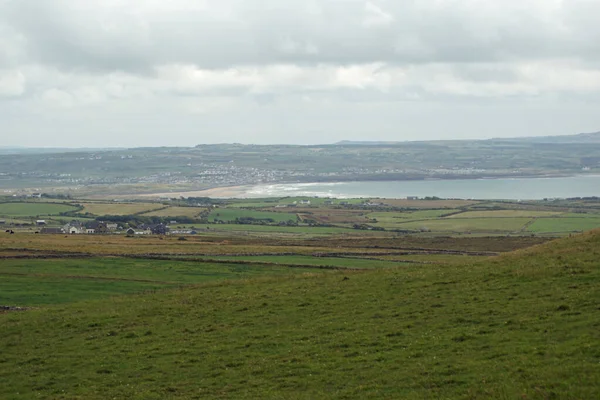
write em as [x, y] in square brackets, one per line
[127, 73]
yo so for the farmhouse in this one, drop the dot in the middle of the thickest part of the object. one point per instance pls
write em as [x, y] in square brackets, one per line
[96, 227]
[143, 229]
[74, 228]
[159, 229]
[40, 222]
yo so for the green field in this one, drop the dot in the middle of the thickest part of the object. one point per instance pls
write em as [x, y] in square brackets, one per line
[352, 263]
[293, 230]
[35, 282]
[524, 325]
[117, 208]
[23, 209]
[505, 214]
[468, 225]
[393, 220]
[460, 259]
[231, 214]
[554, 225]
[191, 212]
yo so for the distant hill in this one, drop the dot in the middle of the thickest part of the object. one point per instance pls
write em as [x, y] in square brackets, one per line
[593, 137]
[363, 143]
[54, 150]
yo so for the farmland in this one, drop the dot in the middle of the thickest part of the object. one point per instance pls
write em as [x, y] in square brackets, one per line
[488, 225]
[564, 224]
[191, 212]
[115, 208]
[518, 324]
[30, 209]
[309, 217]
[37, 282]
[232, 214]
[468, 300]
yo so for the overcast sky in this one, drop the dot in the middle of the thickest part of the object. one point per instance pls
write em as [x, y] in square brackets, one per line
[184, 72]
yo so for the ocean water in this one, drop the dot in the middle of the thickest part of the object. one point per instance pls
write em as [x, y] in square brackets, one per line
[507, 188]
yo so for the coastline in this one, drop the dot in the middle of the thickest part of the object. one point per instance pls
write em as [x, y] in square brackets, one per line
[521, 187]
[217, 192]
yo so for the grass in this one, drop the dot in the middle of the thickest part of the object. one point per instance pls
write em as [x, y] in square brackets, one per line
[278, 230]
[36, 282]
[231, 214]
[116, 208]
[469, 224]
[505, 214]
[525, 325]
[23, 209]
[458, 259]
[44, 290]
[393, 220]
[356, 263]
[191, 212]
[226, 243]
[555, 225]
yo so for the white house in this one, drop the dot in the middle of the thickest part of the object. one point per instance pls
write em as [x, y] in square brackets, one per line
[73, 230]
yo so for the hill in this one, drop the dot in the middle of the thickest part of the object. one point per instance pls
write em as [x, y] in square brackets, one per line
[523, 325]
[175, 169]
[593, 137]
[581, 138]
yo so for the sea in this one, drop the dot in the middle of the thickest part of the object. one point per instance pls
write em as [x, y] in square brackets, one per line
[484, 189]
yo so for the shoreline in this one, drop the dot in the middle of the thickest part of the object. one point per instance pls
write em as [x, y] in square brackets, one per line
[253, 190]
[216, 192]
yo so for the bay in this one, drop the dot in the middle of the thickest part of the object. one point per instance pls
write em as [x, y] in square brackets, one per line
[485, 189]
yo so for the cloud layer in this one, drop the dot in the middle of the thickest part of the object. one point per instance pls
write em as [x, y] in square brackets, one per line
[192, 71]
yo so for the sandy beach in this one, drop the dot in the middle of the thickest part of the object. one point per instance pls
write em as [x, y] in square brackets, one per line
[219, 192]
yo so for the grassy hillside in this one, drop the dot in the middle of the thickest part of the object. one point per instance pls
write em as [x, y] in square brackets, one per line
[523, 325]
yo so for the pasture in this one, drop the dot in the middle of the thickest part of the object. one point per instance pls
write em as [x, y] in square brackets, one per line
[505, 214]
[174, 211]
[564, 225]
[33, 282]
[522, 325]
[233, 214]
[118, 208]
[305, 260]
[27, 209]
[463, 225]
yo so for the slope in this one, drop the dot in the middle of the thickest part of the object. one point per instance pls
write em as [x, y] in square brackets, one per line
[526, 325]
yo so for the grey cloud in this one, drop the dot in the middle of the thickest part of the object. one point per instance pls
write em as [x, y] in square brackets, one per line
[96, 36]
[100, 72]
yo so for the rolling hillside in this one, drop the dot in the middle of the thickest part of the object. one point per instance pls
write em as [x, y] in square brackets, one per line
[523, 325]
